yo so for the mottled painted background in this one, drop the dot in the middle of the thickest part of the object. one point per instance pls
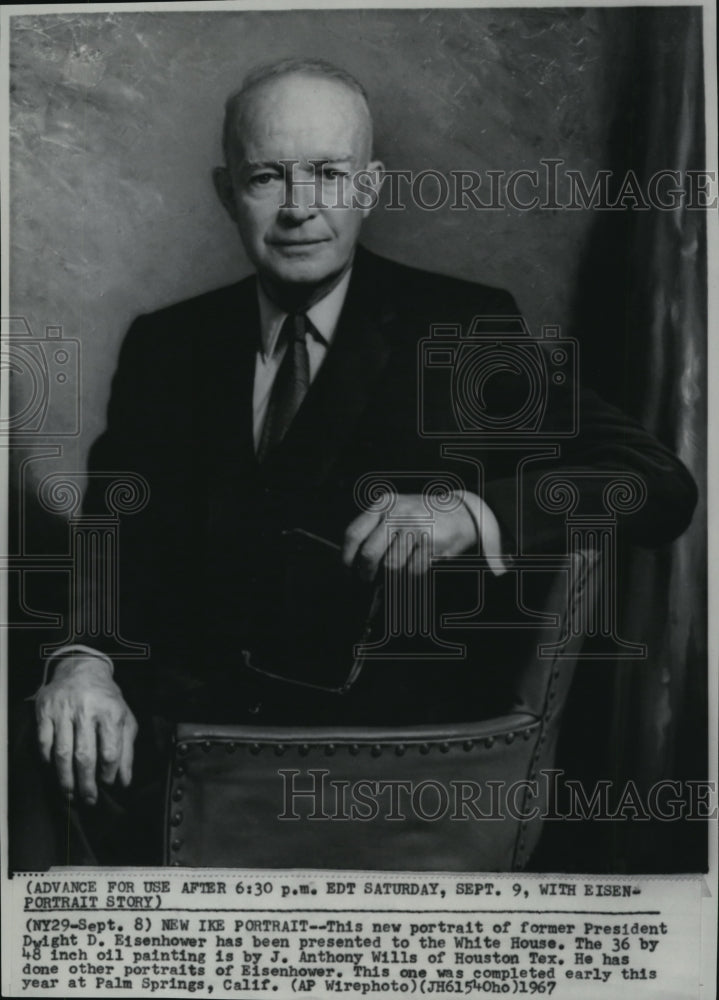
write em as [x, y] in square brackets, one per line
[116, 122]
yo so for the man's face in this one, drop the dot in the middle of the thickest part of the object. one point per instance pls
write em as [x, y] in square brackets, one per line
[291, 231]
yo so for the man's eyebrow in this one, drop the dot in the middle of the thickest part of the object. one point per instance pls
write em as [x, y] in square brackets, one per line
[341, 158]
[258, 164]
[277, 164]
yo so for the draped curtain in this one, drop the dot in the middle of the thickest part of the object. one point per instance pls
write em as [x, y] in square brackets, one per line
[663, 701]
[641, 316]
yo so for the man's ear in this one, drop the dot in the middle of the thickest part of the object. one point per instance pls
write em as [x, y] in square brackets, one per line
[373, 175]
[222, 180]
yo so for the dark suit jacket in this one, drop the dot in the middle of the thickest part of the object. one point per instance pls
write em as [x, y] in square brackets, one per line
[193, 562]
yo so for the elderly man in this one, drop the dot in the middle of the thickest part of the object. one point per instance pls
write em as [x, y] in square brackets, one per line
[256, 409]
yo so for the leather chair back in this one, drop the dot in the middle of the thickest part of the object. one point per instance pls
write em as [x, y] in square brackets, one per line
[464, 797]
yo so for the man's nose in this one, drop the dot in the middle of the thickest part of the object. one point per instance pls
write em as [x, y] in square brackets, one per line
[301, 201]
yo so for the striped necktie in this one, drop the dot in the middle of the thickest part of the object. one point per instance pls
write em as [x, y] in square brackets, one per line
[290, 386]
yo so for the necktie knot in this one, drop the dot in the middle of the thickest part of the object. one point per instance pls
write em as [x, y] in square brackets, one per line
[298, 326]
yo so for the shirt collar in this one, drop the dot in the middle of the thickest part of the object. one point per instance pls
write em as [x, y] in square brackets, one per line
[324, 315]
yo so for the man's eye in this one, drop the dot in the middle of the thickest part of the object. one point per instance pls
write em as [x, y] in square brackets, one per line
[332, 173]
[263, 179]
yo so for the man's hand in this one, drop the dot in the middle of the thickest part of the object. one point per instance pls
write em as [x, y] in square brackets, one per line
[367, 546]
[85, 725]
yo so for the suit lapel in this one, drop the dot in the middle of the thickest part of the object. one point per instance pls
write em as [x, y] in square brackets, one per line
[226, 358]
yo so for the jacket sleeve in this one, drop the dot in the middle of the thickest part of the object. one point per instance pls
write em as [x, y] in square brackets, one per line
[584, 458]
[612, 468]
[119, 488]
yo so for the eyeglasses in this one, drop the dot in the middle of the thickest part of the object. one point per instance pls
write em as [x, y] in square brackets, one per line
[311, 617]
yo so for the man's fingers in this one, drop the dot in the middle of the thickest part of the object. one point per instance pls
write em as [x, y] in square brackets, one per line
[409, 550]
[419, 559]
[45, 733]
[64, 745]
[86, 758]
[109, 732]
[83, 724]
[359, 529]
[129, 731]
[372, 552]
[399, 551]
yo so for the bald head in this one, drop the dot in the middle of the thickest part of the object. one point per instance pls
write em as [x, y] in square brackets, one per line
[317, 83]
